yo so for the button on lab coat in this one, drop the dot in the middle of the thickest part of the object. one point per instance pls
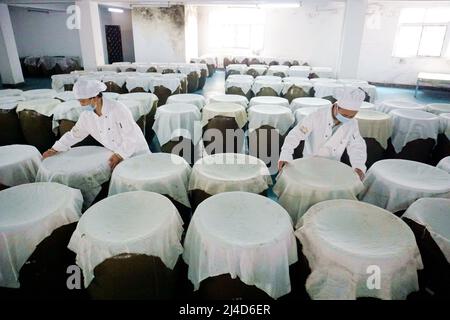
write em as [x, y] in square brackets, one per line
[115, 129]
[316, 129]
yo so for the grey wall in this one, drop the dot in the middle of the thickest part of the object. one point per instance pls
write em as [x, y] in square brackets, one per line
[126, 29]
[39, 33]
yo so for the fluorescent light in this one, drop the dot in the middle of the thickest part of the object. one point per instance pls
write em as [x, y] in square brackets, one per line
[116, 10]
[280, 5]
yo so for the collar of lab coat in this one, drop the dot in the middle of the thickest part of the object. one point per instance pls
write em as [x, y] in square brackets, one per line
[106, 107]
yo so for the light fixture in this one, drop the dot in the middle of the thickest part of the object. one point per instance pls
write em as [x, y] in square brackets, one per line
[274, 5]
[115, 10]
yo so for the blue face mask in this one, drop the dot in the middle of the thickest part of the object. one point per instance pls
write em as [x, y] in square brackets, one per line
[89, 107]
[341, 118]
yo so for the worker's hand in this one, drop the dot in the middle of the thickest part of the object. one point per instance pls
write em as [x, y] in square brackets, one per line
[281, 164]
[114, 160]
[360, 173]
[50, 152]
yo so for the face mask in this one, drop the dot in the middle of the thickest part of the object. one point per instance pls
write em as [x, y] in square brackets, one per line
[341, 118]
[89, 107]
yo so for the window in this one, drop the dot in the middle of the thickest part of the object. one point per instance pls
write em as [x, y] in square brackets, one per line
[236, 28]
[423, 32]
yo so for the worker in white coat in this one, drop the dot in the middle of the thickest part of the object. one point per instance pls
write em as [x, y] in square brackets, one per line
[327, 132]
[107, 121]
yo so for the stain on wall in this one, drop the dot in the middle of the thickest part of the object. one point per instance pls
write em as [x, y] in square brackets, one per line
[159, 34]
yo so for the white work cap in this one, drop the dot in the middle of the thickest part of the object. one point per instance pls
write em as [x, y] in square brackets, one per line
[350, 98]
[85, 89]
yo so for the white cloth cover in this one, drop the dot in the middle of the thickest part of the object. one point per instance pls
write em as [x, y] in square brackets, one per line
[108, 67]
[279, 101]
[444, 164]
[59, 80]
[302, 113]
[69, 110]
[307, 181]
[299, 71]
[434, 215]
[84, 168]
[188, 68]
[11, 102]
[111, 95]
[118, 79]
[275, 68]
[230, 98]
[371, 90]
[10, 92]
[146, 172]
[138, 108]
[137, 81]
[324, 89]
[395, 184]
[91, 76]
[259, 84]
[367, 106]
[280, 118]
[170, 83]
[322, 72]
[444, 124]
[306, 85]
[65, 96]
[224, 109]
[260, 68]
[28, 214]
[389, 105]
[203, 67]
[188, 98]
[224, 172]
[242, 68]
[240, 77]
[244, 235]
[343, 240]
[148, 98]
[375, 124]
[39, 94]
[19, 164]
[170, 118]
[410, 125]
[323, 80]
[138, 222]
[243, 83]
[308, 102]
[45, 107]
[269, 78]
[438, 108]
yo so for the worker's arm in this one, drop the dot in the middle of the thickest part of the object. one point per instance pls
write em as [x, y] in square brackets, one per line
[300, 132]
[75, 135]
[357, 152]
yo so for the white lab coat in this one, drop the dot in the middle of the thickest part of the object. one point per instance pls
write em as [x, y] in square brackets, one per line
[115, 129]
[316, 130]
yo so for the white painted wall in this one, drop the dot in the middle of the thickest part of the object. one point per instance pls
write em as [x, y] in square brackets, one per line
[10, 69]
[39, 33]
[304, 33]
[376, 61]
[126, 29]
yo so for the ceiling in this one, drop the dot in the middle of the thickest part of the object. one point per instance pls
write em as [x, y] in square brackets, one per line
[61, 5]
